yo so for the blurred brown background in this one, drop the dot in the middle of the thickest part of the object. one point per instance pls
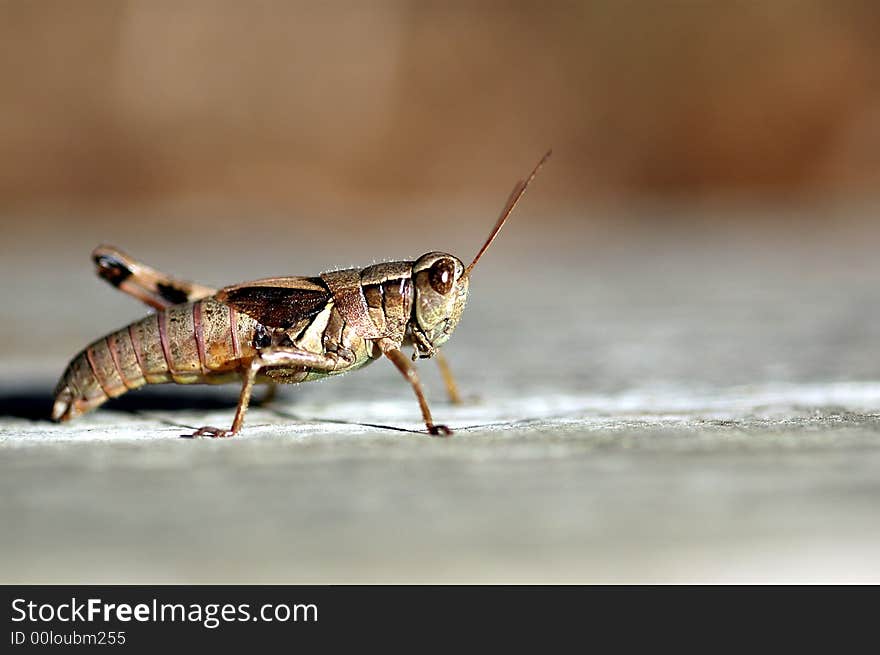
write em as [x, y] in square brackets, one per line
[362, 109]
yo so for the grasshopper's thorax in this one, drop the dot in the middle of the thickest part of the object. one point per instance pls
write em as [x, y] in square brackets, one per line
[440, 293]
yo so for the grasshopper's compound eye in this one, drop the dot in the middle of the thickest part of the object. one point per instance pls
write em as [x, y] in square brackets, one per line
[441, 276]
[441, 290]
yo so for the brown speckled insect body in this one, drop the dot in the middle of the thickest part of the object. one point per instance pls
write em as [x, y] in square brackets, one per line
[276, 330]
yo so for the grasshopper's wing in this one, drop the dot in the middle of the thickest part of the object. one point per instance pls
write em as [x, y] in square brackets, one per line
[279, 302]
[156, 289]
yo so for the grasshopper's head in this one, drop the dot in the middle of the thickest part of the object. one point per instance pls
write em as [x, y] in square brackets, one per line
[441, 283]
[441, 289]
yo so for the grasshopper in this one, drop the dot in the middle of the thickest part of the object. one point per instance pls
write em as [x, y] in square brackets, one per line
[274, 330]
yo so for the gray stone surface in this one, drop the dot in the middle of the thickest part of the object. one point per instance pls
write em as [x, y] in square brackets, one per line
[646, 405]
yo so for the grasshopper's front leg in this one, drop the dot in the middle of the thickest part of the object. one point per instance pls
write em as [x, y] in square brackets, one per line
[286, 357]
[408, 371]
[448, 379]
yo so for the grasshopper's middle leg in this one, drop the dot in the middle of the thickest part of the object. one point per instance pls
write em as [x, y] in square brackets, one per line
[287, 357]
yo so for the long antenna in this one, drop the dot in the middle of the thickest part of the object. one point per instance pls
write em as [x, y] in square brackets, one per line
[515, 195]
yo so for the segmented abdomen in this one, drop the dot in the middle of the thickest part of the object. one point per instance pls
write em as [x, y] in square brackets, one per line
[205, 341]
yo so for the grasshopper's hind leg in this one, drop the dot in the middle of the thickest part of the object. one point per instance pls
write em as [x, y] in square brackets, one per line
[284, 357]
[156, 289]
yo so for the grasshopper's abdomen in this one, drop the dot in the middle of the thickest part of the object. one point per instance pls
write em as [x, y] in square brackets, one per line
[201, 342]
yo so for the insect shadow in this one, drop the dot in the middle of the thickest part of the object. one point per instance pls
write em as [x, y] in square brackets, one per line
[35, 404]
[378, 426]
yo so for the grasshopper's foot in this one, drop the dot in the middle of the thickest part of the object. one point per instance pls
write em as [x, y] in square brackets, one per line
[214, 433]
[439, 431]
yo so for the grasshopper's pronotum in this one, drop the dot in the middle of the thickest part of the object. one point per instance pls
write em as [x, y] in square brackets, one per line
[285, 329]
